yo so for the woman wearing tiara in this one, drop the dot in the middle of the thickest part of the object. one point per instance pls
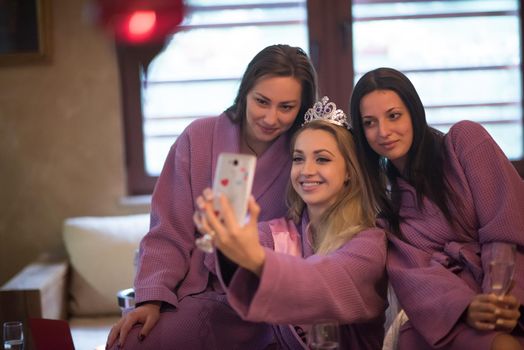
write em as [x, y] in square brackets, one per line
[180, 304]
[324, 260]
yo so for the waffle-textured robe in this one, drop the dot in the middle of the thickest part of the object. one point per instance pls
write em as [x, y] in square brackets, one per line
[195, 313]
[347, 285]
[438, 270]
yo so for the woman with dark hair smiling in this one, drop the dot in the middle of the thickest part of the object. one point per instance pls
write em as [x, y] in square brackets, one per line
[446, 199]
[179, 302]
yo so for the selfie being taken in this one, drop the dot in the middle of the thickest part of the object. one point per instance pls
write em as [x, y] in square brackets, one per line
[229, 174]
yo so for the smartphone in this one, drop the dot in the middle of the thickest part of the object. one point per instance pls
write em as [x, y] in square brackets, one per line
[234, 178]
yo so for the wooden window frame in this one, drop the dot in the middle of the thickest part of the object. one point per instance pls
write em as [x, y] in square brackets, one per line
[330, 33]
[133, 60]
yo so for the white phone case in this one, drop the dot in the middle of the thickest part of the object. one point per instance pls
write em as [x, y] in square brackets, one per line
[234, 177]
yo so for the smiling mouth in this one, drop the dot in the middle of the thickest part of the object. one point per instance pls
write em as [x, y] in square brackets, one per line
[310, 184]
[267, 130]
[389, 144]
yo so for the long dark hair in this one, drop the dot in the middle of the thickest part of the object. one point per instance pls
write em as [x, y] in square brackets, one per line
[278, 61]
[424, 167]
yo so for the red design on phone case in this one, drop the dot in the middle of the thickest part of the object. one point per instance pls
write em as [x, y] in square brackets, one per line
[224, 182]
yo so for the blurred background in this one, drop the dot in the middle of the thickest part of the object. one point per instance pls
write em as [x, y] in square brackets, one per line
[86, 123]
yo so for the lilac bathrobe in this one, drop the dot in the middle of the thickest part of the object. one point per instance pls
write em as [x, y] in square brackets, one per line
[195, 313]
[347, 285]
[441, 268]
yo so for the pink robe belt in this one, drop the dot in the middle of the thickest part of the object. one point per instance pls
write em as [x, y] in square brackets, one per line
[459, 255]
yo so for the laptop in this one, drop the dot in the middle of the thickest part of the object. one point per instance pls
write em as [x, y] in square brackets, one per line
[51, 334]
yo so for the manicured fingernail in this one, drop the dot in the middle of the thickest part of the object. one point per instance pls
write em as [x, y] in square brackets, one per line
[499, 321]
[200, 203]
[141, 337]
[497, 312]
[208, 194]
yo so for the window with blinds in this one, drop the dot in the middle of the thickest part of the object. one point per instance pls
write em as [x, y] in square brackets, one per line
[464, 58]
[198, 73]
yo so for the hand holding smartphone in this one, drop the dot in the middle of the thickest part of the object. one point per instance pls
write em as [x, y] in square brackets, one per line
[234, 178]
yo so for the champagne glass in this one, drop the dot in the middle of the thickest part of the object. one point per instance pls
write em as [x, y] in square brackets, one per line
[324, 336]
[501, 267]
[13, 336]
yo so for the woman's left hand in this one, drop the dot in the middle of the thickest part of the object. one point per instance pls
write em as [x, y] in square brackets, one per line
[507, 312]
[239, 243]
[491, 312]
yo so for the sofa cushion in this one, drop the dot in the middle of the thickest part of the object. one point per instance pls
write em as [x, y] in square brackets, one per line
[91, 333]
[101, 251]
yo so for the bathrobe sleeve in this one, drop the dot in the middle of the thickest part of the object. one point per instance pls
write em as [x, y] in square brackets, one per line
[433, 294]
[170, 265]
[347, 285]
[166, 250]
[498, 197]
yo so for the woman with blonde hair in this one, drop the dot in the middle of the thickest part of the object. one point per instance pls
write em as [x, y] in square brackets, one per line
[325, 260]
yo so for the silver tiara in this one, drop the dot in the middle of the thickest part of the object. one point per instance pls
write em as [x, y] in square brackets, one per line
[325, 110]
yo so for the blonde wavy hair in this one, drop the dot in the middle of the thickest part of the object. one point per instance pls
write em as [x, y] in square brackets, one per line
[354, 209]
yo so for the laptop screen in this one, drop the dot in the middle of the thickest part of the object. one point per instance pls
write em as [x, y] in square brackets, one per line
[51, 334]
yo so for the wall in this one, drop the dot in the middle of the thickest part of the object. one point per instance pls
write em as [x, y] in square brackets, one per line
[61, 146]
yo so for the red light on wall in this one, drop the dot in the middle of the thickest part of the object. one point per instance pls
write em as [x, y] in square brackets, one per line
[141, 25]
[138, 21]
[142, 22]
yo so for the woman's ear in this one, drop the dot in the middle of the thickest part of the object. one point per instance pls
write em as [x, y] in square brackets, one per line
[347, 179]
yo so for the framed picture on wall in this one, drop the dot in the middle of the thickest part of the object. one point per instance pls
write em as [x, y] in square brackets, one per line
[25, 31]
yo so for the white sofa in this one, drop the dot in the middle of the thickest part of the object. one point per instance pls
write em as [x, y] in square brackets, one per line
[83, 287]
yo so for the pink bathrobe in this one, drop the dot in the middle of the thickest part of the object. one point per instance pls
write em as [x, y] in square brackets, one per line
[299, 288]
[195, 313]
[440, 269]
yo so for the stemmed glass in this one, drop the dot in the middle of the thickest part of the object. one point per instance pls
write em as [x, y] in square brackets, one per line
[324, 336]
[501, 267]
[13, 336]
